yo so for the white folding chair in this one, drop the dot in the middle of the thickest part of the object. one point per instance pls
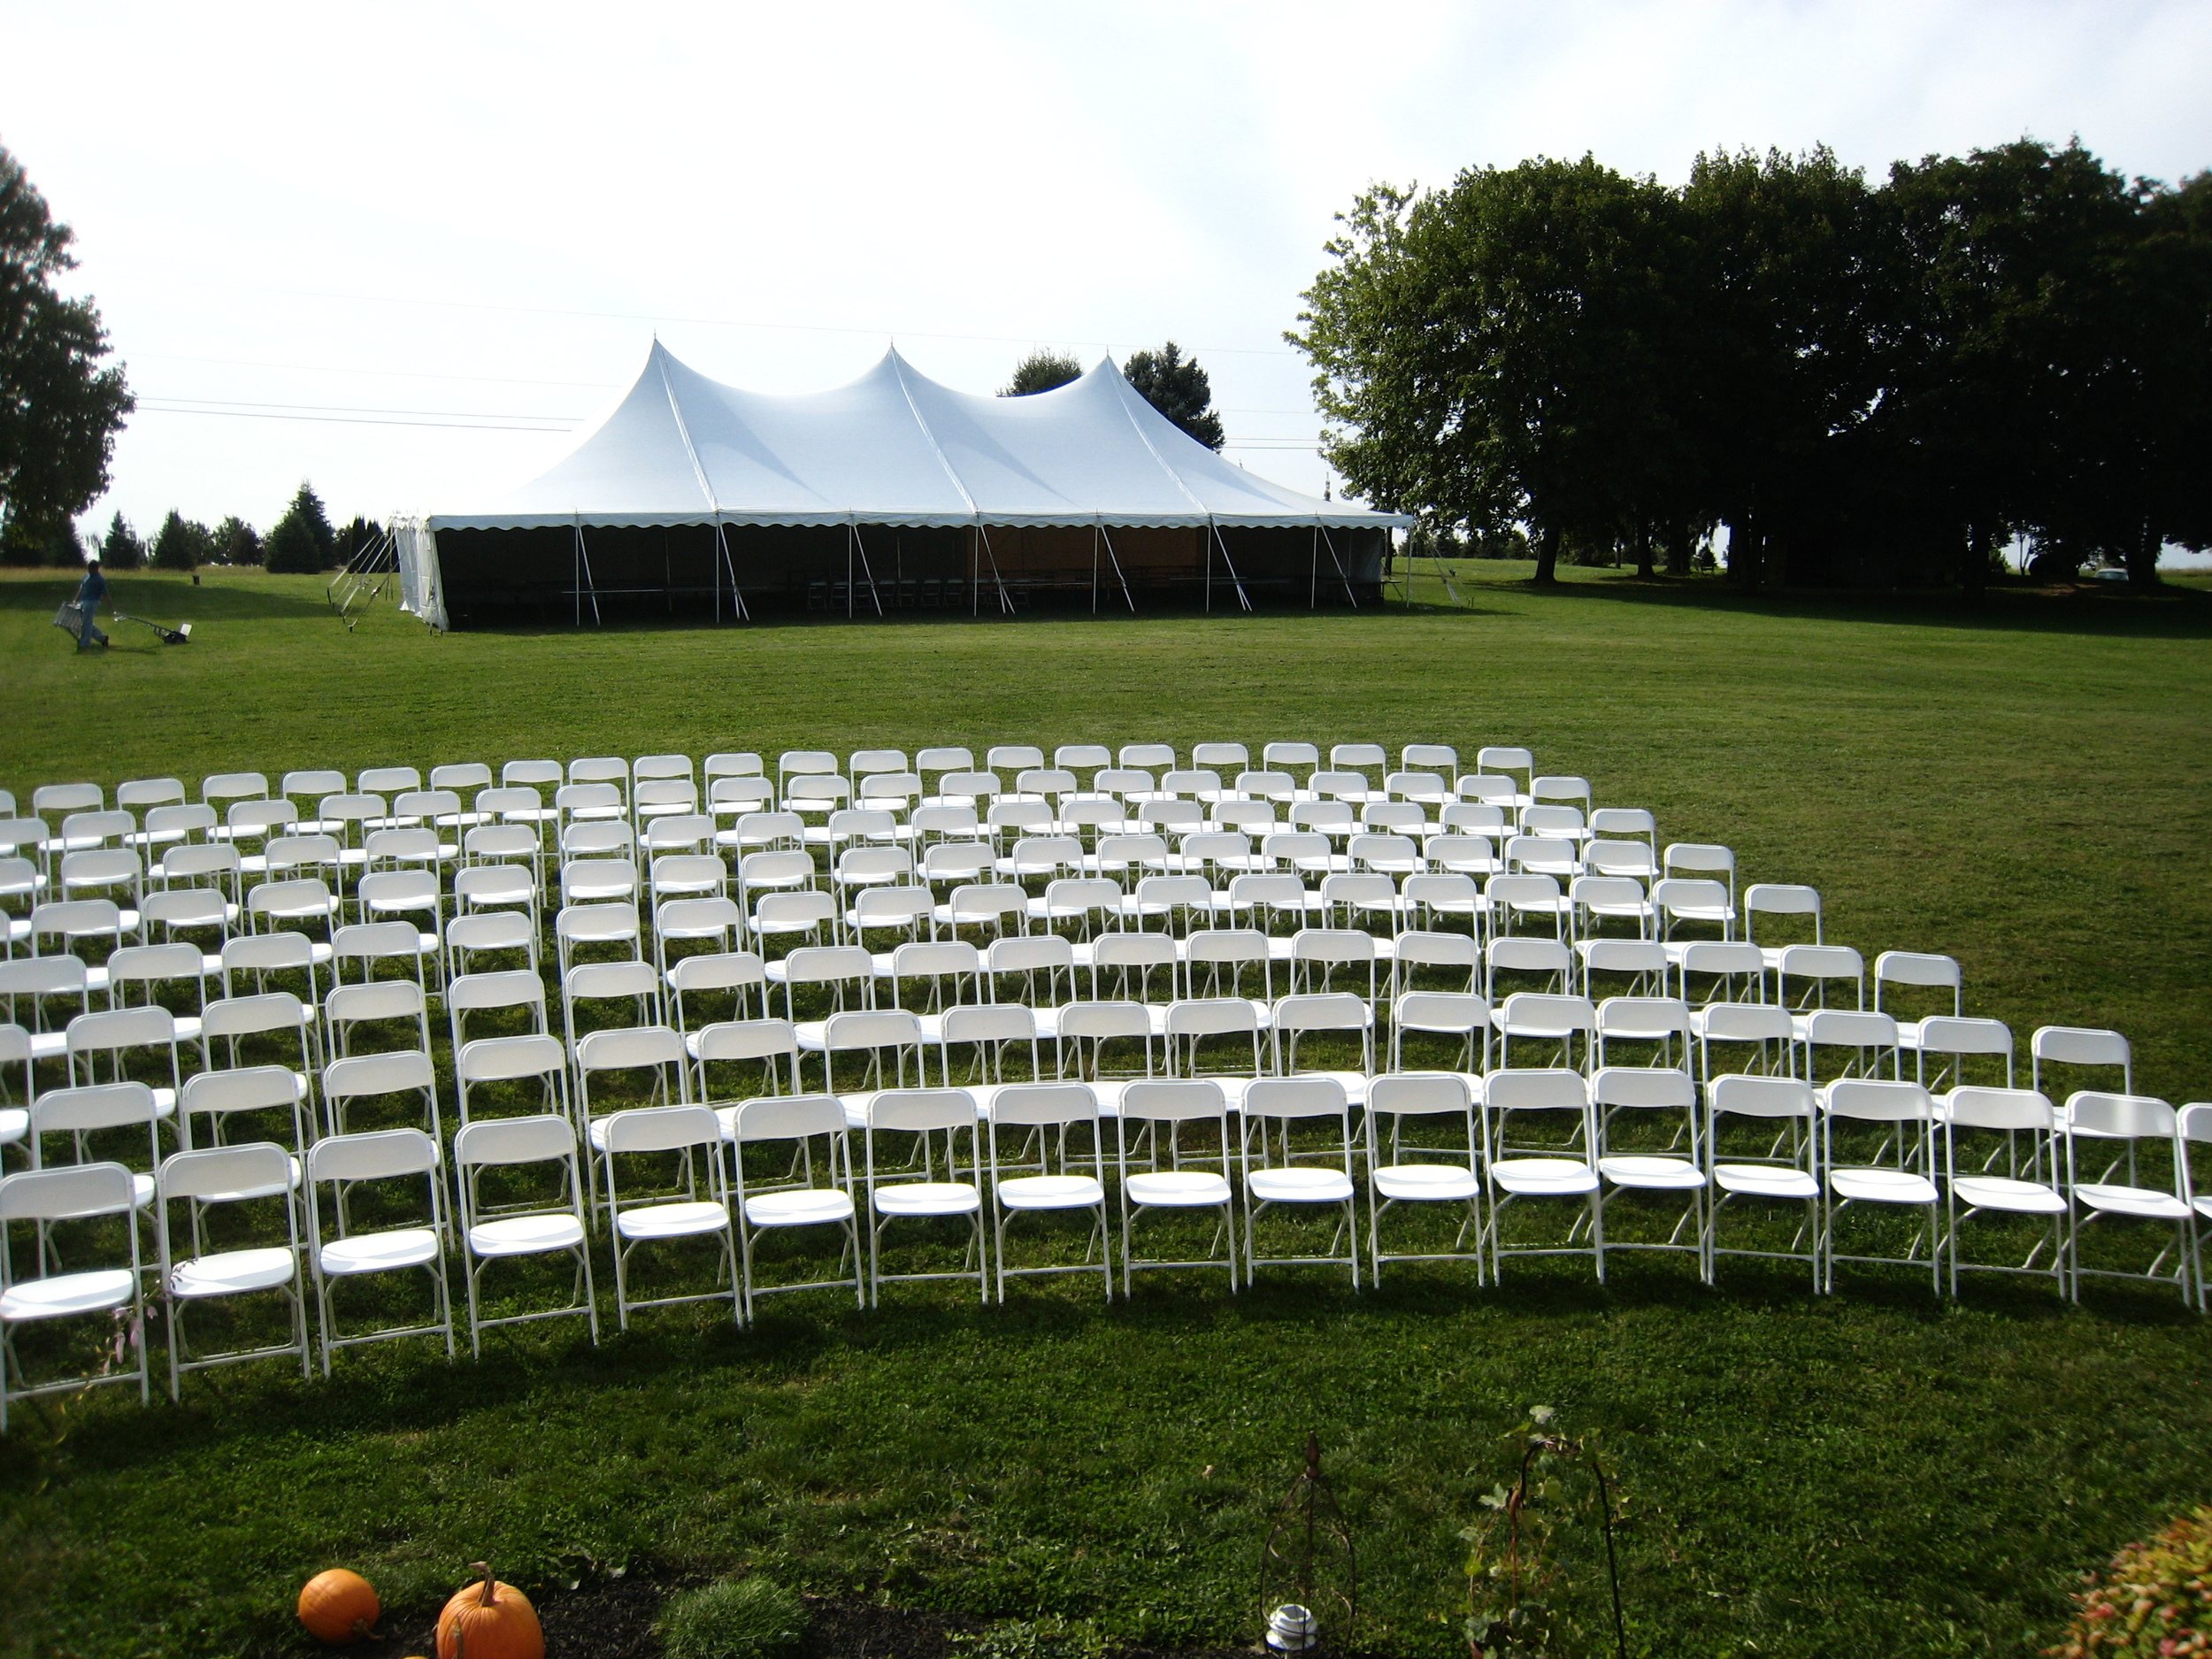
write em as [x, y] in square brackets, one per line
[1649, 1097]
[1282, 1174]
[259, 1174]
[216, 1098]
[1561, 1166]
[339, 1250]
[1899, 1173]
[772, 1044]
[694, 1203]
[1771, 1157]
[49, 1200]
[536, 1222]
[1293, 1018]
[1176, 1180]
[2134, 1119]
[2018, 1129]
[1068, 1179]
[771, 1204]
[1403, 1171]
[374, 1004]
[740, 973]
[927, 1113]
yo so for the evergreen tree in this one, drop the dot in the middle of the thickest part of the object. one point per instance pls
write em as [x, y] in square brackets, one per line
[236, 543]
[1041, 370]
[361, 536]
[303, 541]
[1179, 388]
[121, 549]
[182, 544]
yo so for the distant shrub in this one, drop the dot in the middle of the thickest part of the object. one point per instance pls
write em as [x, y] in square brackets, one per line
[750, 1617]
[2154, 1601]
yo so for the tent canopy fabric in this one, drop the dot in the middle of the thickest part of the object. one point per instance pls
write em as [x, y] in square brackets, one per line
[896, 448]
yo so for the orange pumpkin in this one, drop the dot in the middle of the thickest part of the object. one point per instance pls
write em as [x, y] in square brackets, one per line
[488, 1620]
[338, 1607]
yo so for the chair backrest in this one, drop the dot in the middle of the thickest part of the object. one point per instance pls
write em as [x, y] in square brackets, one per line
[1291, 754]
[2127, 1116]
[1036, 954]
[1879, 1100]
[746, 1039]
[514, 1141]
[1044, 1104]
[1944, 1035]
[382, 998]
[1642, 1087]
[920, 1111]
[1650, 1017]
[2006, 1109]
[1452, 1011]
[535, 773]
[67, 798]
[1849, 1028]
[870, 1028]
[1101, 1021]
[1761, 1097]
[628, 1047]
[1698, 856]
[1550, 1088]
[502, 1059]
[1069, 755]
[1013, 756]
[1174, 1100]
[1334, 1010]
[217, 1174]
[140, 793]
[362, 1075]
[825, 964]
[2079, 1045]
[1747, 1021]
[93, 1106]
[788, 1118]
[461, 775]
[1401, 1093]
[718, 971]
[587, 924]
[1544, 1012]
[662, 1129]
[248, 1088]
[68, 1194]
[1438, 951]
[376, 1155]
[1283, 1097]
[244, 1016]
[151, 1027]
[1211, 1016]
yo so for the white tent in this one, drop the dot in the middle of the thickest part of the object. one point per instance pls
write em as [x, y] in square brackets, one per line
[893, 448]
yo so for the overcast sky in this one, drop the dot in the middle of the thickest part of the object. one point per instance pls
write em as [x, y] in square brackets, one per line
[409, 252]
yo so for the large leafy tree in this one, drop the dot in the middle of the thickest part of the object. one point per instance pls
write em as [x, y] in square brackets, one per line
[302, 543]
[1179, 388]
[59, 411]
[1041, 370]
[1788, 295]
[1501, 351]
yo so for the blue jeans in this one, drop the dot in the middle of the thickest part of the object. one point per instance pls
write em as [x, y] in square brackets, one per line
[89, 634]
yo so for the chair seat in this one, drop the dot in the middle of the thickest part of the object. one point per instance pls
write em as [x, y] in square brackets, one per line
[927, 1198]
[1299, 1186]
[672, 1221]
[1177, 1188]
[233, 1271]
[379, 1252]
[1354, 1083]
[2142, 1201]
[1050, 1191]
[2002, 1192]
[1764, 1180]
[67, 1294]
[1882, 1186]
[1657, 1173]
[1427, 1182]
[526, 1235]
[1534, 1178]
[805, 1207]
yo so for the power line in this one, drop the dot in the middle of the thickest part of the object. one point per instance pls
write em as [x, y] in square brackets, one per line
[733, 322]
[357, 409]
[353, 420]
[409, 375]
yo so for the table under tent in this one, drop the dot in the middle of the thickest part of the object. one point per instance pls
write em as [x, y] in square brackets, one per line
[894, 493]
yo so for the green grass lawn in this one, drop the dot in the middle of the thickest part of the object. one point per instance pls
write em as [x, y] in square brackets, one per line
[2026, 785]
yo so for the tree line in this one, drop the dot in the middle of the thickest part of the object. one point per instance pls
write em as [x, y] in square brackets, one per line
[303, 541]
[1875, 384]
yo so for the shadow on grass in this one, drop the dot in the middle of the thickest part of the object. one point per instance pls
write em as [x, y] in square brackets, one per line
[2172, 611]
[783, 621]
[418, 1393]
[164, 599]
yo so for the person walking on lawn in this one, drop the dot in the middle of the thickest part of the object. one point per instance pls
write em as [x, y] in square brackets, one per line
[93, 589]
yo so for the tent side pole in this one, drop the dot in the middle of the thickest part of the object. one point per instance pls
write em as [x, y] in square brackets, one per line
[1118, 575]
[848, 570]
[867, 571]
[1207, 541]
[1094, 567]
[1340, 575]
[1313, 580]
